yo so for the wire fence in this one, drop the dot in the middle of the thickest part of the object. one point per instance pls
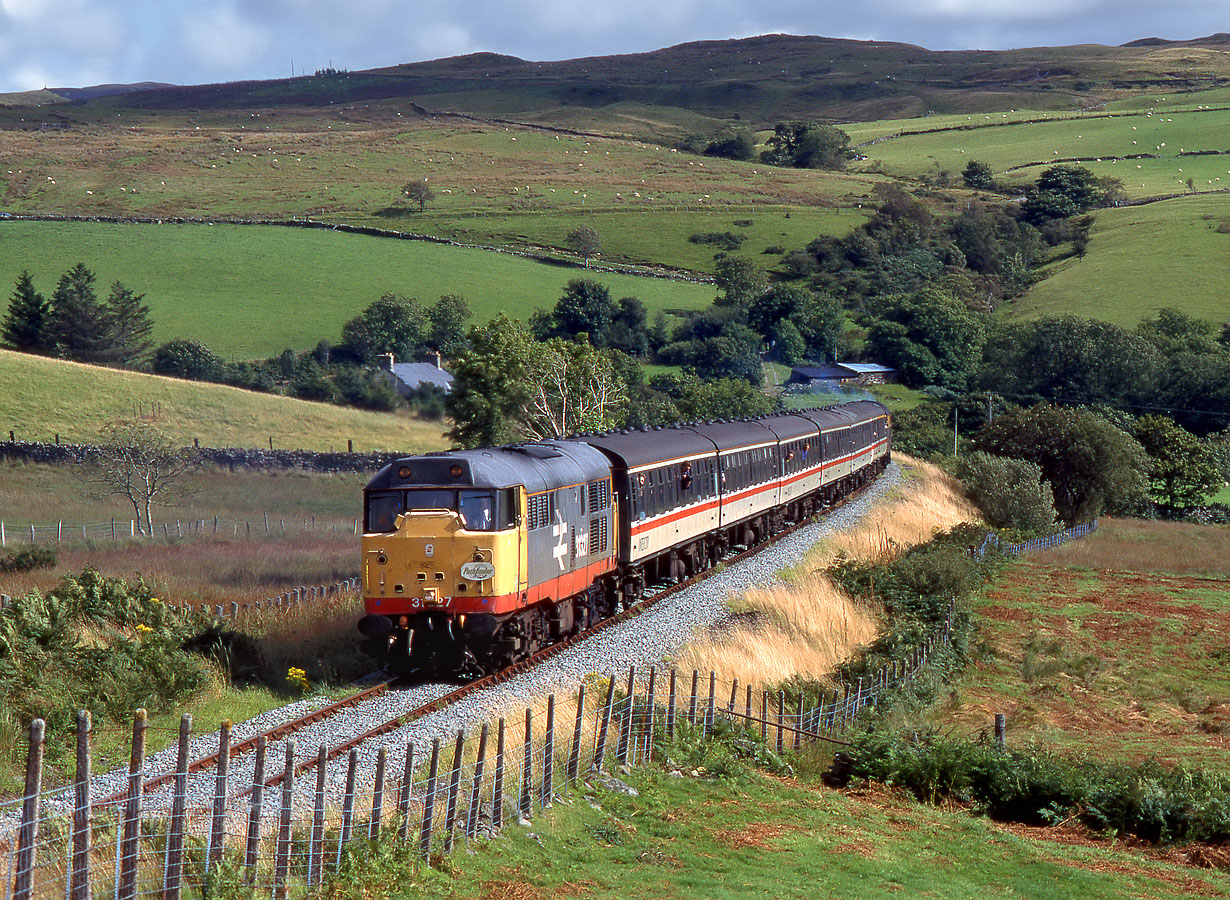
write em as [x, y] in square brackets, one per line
[130, 529]
[1038, 543]
[287, 816]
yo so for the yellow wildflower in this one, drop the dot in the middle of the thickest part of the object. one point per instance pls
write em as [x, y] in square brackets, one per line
[144, 629]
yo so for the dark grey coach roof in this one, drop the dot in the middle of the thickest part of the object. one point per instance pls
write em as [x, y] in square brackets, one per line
[845, 414]
[634, 447]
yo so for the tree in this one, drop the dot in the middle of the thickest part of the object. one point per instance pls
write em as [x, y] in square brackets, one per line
[1010, 492]
[629, 330]
[978, 175]
[739, 143]
[448, 317]
[1182, 468]
[25, 326]
[722, 398]
[584, 242]
[77, 325]
[1090, 464]
[391, 324]
[930, 337]
[741, 281]
[807, 145]
[572, 387]
[490, 387]
[184, 358]
[129, 326]
[1062, 191]
[420, 192]
[585, 308]
[138, 462]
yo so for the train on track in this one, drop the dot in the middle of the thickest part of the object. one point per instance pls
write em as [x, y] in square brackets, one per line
[475, 559]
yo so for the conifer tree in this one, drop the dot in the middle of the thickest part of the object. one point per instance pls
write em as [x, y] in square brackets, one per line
[25, 326]
[128, 326]
[78, 326]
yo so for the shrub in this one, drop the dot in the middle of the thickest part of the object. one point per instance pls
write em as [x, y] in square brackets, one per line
[1037, 787]
[1010, 492]
[182, 358]
[28, 560]
[725, 240]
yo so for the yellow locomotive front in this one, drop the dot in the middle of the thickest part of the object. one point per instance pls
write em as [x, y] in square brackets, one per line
[444, 563]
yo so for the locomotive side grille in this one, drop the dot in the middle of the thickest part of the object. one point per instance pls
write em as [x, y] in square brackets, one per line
[598, 535]
[599, 496]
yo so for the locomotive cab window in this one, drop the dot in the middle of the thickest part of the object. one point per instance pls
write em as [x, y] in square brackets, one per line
[383, 508]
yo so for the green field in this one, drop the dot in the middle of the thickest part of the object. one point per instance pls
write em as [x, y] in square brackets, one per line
[1111, 140]
[45, 397]
[249, 291]
[762, 836]
[1141, 259]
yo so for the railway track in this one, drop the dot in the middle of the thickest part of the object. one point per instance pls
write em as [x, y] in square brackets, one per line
[293, 726]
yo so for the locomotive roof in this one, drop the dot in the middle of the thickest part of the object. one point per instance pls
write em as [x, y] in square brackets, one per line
[538, 466]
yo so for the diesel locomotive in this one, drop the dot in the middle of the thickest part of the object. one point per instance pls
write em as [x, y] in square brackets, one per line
[474, 559]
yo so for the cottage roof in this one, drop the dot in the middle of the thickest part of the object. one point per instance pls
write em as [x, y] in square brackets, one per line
[414, 375]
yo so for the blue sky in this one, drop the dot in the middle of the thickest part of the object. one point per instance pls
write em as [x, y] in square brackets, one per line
[73, 43]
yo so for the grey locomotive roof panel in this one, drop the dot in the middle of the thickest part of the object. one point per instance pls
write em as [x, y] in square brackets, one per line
[537, 466]
[636, 447]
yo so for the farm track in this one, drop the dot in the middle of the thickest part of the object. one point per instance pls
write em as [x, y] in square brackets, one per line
[442, 701]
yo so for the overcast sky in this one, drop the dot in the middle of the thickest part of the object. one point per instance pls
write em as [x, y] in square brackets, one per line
[74, 43]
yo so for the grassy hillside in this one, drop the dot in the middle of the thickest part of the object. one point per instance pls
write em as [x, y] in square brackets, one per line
[1141, 259]
[760, 78]
[1018, 152]
[253, 291]
[43, 397]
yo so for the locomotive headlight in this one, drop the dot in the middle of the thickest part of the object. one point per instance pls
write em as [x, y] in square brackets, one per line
[382, 560]
[461, 621]
[403, 621]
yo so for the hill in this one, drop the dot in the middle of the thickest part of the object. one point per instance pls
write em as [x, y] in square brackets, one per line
[43, 397]
[758, 79]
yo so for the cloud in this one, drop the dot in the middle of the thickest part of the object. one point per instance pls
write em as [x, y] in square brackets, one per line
[224, 41]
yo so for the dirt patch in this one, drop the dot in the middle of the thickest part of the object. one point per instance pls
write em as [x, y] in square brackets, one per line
[519, 890]
[757, 836]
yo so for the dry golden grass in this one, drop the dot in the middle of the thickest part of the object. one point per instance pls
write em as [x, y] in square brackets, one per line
[1135, 545]
[805, 626]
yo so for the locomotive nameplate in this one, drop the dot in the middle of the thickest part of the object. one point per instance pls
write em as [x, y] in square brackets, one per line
[477, 571]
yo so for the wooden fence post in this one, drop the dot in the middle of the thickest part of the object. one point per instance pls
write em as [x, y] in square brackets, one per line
[798, 728]
[625, 722]
[734, 695]
[281, 872]
[256, 806]
[764, 715]
[373, 827]
[692, 702]
[343, 838]
[82, 812]
[175, 831]
[650, 712]
[600, 750]
[403, 799]
[574, 758]
[711, 706]
[1001, 729]
[526, 806]
[497, 789]
[476, 793]
[548, 756]
[454, 786]
[27, 840]
[130, 852]
[316, 847]
[217, 831]
[429, 803]
[747, 723]
[781, 715]
[670, 706]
